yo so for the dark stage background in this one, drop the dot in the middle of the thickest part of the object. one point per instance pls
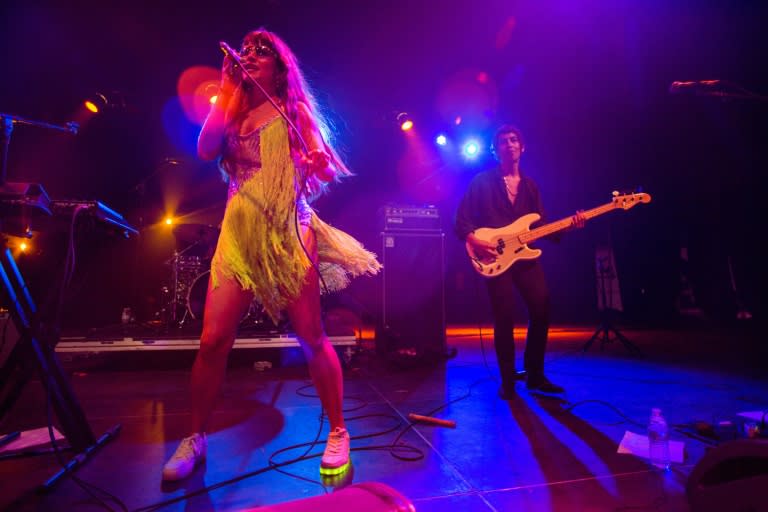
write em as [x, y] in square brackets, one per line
[587, 81]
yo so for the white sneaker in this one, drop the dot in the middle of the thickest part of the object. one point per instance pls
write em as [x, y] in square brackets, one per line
[190, 452]
[336, 456]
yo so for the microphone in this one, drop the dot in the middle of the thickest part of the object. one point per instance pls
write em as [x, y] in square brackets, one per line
[693, 86]
[429, 420]
[228, 50]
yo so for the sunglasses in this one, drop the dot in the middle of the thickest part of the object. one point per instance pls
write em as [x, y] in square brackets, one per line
[259, 51]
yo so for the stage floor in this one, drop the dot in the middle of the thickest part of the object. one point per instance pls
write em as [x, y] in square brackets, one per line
[533, 452]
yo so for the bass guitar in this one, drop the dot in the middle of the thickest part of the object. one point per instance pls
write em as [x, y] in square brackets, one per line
[511, 241]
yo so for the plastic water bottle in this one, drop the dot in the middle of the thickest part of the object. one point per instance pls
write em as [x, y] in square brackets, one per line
[658, 440]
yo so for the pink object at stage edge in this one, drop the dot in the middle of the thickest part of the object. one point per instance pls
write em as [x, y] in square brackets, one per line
[362, 497]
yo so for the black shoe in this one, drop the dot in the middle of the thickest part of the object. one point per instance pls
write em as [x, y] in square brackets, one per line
[544, 385]
[521, 375]
[507, 393]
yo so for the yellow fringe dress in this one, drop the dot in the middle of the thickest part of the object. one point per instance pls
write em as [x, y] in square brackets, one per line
[258, 245]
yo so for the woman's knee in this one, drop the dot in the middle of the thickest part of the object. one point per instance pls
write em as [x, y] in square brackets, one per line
[216, 342]
[313, 344]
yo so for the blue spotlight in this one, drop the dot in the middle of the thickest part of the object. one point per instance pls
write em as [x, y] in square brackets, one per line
[441, 140]
[471, 149]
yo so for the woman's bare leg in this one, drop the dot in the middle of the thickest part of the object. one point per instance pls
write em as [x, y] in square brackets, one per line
[324, 366]
[225, 306]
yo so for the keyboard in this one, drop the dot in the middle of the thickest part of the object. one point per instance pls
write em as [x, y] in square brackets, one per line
[97, 209]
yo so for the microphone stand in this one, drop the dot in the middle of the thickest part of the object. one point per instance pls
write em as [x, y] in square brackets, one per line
[7, 121]
[140, 188]
[717, 89]
[605, 274]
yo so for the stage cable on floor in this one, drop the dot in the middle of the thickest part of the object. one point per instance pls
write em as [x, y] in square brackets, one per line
[687, 429]
[278, 466]
[311, 446]
[401, 451]
[209, 488]
[303, 456]
[363, 403]
[272, 466]
[568, 407]
[431, 413]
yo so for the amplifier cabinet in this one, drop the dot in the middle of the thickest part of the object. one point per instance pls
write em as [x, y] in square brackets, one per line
[413, 294]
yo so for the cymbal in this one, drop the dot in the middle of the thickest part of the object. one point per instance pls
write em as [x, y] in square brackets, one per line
[191, 233]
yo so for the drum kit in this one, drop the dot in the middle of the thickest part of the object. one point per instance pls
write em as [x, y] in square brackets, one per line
[190, 273]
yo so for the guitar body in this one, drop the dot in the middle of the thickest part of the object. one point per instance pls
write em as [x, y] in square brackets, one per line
[509, 249]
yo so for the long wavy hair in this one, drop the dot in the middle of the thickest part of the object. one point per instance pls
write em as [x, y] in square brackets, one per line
[292, 88]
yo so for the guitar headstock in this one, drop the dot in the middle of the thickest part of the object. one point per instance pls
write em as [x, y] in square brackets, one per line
[627, 201]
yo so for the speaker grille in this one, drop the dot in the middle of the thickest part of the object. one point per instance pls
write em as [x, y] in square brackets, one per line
[413, 294]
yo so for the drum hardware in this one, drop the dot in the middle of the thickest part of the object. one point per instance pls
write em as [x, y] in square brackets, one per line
[195, 304]
[196, 234]
[186, 265]
[190, 272]
[184, 270]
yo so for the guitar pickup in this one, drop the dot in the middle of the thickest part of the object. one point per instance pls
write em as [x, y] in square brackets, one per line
[500, 246]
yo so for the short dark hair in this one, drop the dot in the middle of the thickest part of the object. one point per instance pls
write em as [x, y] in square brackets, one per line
[508, 128]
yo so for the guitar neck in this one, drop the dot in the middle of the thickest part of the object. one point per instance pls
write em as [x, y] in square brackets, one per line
[559, 225]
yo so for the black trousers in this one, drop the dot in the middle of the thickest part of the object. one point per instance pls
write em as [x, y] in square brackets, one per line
[525, 277]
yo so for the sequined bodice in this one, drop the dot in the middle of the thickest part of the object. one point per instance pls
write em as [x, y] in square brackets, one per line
[241, 157]
[241, 160]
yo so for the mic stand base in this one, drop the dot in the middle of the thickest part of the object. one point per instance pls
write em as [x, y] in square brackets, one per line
[603, 334]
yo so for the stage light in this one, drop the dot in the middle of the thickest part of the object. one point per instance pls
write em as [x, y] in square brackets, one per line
[195, 87]
[23, 246]
[405, 121]
[471, 149]
[168, 221]
[441, 140]
[100, 102]
[96, 103]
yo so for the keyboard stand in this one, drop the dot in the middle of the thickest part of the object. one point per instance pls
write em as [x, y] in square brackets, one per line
[36, 348]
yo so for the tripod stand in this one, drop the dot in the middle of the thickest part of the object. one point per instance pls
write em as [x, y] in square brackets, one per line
[604, 331]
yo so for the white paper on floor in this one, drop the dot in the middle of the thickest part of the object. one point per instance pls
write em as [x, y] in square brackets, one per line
[31, 439]
[637, 444]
